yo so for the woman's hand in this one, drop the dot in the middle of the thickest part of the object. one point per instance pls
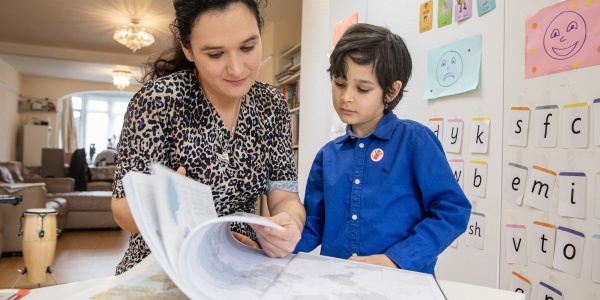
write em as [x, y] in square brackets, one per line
[278, 242]
[377, 259]
[245, 240]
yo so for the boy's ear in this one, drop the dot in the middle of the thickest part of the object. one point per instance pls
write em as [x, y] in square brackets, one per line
[396, 86]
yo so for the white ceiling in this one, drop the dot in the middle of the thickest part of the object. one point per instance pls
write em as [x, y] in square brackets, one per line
[72, 39]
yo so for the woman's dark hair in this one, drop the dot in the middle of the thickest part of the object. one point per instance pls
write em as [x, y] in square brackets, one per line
[368, 44]
[186, 15]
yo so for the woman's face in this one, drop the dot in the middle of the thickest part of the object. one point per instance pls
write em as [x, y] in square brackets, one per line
[227, 50]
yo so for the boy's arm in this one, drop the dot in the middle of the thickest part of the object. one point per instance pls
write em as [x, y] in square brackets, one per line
[446, 207]
[314, 203]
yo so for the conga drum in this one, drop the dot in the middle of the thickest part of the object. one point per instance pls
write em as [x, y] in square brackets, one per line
[39, 242]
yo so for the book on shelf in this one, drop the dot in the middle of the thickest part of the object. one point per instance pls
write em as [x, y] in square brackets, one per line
[196, 250]
[295, 122]
[290, 92]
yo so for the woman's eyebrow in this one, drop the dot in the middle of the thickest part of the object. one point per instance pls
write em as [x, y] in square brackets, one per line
[210, 48]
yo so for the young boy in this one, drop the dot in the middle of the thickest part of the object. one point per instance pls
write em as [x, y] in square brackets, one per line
[383, 193]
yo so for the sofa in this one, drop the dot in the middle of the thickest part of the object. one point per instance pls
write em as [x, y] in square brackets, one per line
[88, 209]
[76, 210]
[34, 196]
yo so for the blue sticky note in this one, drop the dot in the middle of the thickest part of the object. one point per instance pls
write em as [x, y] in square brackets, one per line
[484, 6]
[453, 68]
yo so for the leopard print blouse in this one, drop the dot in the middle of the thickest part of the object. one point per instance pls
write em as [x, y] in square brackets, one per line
[171, 121]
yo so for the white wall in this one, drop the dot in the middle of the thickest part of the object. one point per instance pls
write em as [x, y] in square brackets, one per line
[502, 86]
[486, 101]
[315, 91]
[9, 118]
[556, 89]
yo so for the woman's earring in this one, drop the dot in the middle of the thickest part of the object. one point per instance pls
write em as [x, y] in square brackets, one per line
[386, 105]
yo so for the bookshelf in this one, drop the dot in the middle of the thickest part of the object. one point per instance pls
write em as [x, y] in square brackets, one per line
[288, 80]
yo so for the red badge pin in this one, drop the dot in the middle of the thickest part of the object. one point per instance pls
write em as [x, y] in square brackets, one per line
[377, 155]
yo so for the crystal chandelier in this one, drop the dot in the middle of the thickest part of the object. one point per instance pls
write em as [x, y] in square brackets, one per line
[133, 36]
[121, 79]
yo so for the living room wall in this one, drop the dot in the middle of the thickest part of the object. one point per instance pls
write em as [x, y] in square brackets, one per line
[13, 84]
[9, 118]
[55, 89]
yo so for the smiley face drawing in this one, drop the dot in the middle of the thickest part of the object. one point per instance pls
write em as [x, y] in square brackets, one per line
[449, 68]
[565, 35]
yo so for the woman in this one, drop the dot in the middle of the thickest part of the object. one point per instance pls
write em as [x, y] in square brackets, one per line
[203, 113]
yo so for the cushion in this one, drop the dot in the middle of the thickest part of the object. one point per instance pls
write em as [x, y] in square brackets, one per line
[14, 169]
[5, 175]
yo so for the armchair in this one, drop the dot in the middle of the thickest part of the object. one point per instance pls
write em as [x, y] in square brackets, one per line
[34, 192]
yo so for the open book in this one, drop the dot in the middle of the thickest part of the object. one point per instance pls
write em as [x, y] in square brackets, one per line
[195, 248]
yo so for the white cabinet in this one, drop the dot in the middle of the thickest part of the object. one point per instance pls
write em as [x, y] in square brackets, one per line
[35, 137]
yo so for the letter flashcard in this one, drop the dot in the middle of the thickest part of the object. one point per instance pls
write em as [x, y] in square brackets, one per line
[597, 122]
[545, 128]
[596, 258]
[542, 243]
[437, 126]
[575, 132]
[478, 178]
[519, 284]
[475, 230]
[454, 243]
[540, 186]
[453, 135]
[568, 253]
[547, 292]
[518, 127]
[516, 244]
[598, 195]
[571, 194]
[457, 166]
[480, 135]
[514, 183]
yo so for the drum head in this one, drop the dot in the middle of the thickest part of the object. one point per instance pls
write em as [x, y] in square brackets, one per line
[40, 211]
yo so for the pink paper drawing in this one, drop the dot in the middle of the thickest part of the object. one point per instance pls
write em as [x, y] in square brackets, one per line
[562, 37]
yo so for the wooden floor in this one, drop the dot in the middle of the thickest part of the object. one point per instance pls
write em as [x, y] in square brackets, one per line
[80, 255]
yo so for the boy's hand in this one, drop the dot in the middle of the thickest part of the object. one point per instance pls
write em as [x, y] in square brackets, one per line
[377, 259]
[277, 242]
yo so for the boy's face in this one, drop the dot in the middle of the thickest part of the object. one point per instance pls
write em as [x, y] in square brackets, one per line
[358, 98]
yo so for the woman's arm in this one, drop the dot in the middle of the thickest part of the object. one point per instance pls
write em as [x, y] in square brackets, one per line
[122, 214]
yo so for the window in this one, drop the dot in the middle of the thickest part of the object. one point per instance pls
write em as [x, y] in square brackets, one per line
[98, 118]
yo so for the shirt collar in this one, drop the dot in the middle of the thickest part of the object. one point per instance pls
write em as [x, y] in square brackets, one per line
[383, 130]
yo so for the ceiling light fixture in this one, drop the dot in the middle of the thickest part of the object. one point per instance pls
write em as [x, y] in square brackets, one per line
[133, 36]
[121, 79]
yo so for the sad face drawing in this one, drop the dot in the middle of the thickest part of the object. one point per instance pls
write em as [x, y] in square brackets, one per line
[565, 35]
[449, 68]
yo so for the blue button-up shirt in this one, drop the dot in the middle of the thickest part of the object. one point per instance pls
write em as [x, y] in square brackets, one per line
[390, 193]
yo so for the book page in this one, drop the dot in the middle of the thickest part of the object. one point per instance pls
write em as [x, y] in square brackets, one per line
[142, 203]
[216, 266]
[182, 204]
[146, 280]
[310, 276]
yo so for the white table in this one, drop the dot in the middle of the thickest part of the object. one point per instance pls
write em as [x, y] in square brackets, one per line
[452, 290]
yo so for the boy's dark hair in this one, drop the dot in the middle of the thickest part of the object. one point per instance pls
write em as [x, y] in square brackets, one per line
[368, 44]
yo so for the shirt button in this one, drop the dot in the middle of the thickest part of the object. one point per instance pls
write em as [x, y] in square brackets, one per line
[357, 181]
[354, 217]
[361, 145]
